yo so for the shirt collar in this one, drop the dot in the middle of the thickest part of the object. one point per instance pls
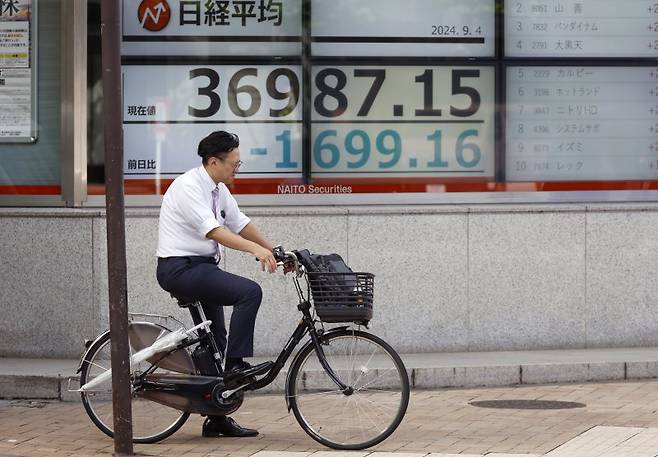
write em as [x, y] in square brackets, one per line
[206, 180]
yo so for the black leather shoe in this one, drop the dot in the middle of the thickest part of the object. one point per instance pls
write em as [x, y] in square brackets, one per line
[224, 426]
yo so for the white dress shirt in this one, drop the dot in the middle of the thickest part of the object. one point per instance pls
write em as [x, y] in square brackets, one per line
[186, 216]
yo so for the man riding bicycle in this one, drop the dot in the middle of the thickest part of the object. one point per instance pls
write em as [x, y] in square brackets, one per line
[198, 218]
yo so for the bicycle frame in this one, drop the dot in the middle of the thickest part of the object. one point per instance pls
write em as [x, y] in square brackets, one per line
[180, 339]
[305, 326]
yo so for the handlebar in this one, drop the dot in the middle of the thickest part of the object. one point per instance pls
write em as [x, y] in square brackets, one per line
[282, 257]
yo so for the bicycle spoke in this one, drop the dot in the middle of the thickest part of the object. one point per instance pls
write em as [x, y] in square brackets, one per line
[331, 360]
[366, 364]
[375, 390]
[345, 406]
[316, 393]
[363, 431]
[368, 417]
[99, 366]
[353, 358]
[380, 406]
[379, 376]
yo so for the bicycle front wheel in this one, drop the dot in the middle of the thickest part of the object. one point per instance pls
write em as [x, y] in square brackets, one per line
[367, 413]
[151, 422]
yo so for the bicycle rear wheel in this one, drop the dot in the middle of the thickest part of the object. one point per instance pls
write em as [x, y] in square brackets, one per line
[151, 421]
[358, 419]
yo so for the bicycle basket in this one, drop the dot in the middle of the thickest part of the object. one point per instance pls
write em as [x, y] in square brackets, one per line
[342, 297]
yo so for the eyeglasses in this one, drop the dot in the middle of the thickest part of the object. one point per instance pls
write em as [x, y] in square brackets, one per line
[235, 165]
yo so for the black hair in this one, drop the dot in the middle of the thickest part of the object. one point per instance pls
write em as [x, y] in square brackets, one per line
[217, 144]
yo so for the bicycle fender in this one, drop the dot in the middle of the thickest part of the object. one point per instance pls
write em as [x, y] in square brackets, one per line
[297, 355]
[140, 337]
[89, 348]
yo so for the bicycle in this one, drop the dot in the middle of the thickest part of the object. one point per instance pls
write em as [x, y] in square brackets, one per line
[347, 388]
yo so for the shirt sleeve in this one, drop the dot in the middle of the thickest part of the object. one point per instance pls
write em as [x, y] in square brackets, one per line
[195, 210]
[235, 219]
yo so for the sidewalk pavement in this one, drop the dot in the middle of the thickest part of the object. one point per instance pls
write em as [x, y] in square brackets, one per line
[48, 378]
[619, 417]
[616, 419]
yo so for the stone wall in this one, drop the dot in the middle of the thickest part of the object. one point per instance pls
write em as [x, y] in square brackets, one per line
[448, 278]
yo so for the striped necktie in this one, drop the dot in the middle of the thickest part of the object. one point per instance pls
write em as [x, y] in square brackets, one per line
[215, 211]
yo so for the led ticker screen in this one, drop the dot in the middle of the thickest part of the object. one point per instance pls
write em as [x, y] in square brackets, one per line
[410, 28]
[582, 123]
[581, 28]
[403, 121]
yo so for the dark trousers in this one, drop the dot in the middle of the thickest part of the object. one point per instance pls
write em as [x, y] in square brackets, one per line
[199, 278]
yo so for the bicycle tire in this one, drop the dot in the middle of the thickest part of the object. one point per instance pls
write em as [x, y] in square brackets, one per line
[349, 353]
[98, 404]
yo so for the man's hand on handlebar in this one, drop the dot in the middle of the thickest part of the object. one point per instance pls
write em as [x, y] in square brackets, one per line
[266, 259]
[284, 259]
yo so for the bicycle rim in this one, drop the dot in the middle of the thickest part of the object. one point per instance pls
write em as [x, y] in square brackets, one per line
[380, 391]
[151, 422]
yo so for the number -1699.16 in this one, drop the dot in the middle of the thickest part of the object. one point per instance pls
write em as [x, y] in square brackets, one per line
[383, 150]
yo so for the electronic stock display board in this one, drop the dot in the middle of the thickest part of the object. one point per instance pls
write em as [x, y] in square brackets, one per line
[399, 91]
[382, 120]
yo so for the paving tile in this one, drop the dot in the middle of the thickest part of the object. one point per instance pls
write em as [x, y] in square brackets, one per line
[396, 454]
[454, 455]
[597, 442]
[340, 454]
[512, 455]
[642, 444]
[280, 454]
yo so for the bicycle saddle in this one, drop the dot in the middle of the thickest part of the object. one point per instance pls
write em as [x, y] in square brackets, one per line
[183, 302]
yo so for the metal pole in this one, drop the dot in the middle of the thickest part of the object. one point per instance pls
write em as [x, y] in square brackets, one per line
[116, 227]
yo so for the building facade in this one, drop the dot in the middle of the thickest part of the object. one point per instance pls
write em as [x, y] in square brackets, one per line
[493, 162]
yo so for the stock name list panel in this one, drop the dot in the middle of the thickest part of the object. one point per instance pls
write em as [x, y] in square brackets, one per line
[581, 28]
[582, 123]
